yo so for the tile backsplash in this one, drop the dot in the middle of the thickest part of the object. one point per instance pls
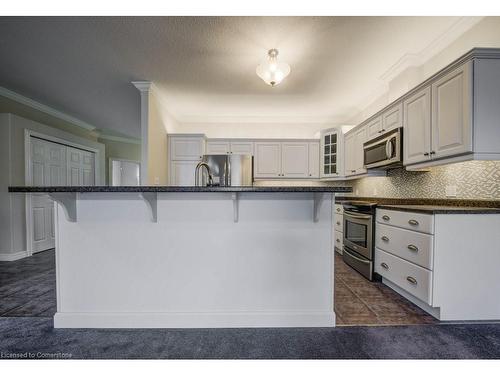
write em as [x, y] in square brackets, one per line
[468, 180]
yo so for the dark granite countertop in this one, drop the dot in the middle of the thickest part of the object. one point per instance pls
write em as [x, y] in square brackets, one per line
[179, 189]
[427, 209]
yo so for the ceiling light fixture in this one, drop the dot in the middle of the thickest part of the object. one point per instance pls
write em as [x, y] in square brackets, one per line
[273, 72]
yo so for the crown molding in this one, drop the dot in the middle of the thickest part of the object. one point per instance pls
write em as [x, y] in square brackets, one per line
[142, 86]
[45, 109]
[117, 138]
[437, 45]
[244, 119]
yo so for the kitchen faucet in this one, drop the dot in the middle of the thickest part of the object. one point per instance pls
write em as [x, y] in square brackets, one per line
[197, 173]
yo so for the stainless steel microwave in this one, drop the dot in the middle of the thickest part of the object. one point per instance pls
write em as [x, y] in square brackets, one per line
[385, 151]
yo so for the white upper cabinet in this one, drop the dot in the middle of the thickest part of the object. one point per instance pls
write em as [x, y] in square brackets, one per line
[287, 159]
[267, 162]
[331, 160]
[349, 154]
[417, 127]
[360, 139]
[218, 147]
[314, 159]
[241, 148]
[374, 127]
[186, 147]
[295, 159]
[452, 113]
[392, 118]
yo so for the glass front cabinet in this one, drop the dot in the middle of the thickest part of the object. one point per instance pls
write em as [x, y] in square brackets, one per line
[331, 153]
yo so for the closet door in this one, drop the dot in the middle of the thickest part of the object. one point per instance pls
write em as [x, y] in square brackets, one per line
[81, 167]
[47, 168]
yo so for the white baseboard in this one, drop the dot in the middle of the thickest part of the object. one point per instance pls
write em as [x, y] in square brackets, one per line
[434, 311]
[9, 257]
[194, 320]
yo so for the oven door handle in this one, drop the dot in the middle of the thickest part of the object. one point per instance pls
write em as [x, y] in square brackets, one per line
[357, 216]
[354, 256]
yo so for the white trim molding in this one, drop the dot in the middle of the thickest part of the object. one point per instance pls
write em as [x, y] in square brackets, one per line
[45, 109]
[144, 88]
[116, 138]
[194, 320]
[10, 257]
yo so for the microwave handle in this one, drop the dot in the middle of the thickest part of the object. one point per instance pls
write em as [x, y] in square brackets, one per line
[388, 147]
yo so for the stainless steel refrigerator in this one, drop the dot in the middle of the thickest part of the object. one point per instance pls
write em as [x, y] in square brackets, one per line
[225, 170]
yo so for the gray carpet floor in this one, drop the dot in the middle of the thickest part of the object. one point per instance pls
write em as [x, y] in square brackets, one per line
[37, 335]
[28, 286]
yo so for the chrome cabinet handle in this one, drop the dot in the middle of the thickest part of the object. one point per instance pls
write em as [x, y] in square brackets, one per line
[426, 154]
[411, 280]
[338, 209]
[338, 240]
[385, 238]
[386, 218]
[412, 248]
[433, 152]
[338, 222]
[412, 222]
[384, 265]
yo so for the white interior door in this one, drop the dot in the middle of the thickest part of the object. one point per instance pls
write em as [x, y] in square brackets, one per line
[48, 168]
[53, 164]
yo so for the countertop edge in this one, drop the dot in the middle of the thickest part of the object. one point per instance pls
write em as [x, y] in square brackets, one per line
[179, 189]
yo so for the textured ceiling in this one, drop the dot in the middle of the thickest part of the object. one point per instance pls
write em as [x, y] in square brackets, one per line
[204, 67]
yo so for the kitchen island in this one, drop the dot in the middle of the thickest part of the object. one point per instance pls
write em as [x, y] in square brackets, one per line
[161, 256]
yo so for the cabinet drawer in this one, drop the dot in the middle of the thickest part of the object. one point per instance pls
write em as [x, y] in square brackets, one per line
[338, 222]
[412, 246]
[339, 209]
[408, 276]
[408, 220]
[339, 240]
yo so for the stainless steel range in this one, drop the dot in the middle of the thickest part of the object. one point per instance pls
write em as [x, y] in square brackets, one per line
[359, 231]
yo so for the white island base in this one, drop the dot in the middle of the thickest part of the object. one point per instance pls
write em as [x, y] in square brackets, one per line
[194, 260]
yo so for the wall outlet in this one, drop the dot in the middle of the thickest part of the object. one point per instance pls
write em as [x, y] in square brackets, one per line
[157, 180]
[451, 191]
[375, 192]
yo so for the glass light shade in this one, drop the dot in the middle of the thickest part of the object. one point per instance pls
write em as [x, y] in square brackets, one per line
[273, 72]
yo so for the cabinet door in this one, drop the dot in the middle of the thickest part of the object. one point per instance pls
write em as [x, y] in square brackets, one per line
[186, 148]
[242, 148]
[330, 142]
[182, 172]
[349, 148]
[267, 160]
[451, 113]
[417, 127]
[360, 139]
[314, 159]
[294, 159]
[217, 147]
[393, 117]
[374, 127]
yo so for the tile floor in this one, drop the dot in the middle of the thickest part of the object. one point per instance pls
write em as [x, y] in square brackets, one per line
[361, 302]
[28, 286]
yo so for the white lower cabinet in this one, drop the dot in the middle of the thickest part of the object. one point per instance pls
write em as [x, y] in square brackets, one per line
[447, 265]
[412, 246]
[338, 227]
[414, 279]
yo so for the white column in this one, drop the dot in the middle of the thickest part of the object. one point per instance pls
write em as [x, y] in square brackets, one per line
[144, 88]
